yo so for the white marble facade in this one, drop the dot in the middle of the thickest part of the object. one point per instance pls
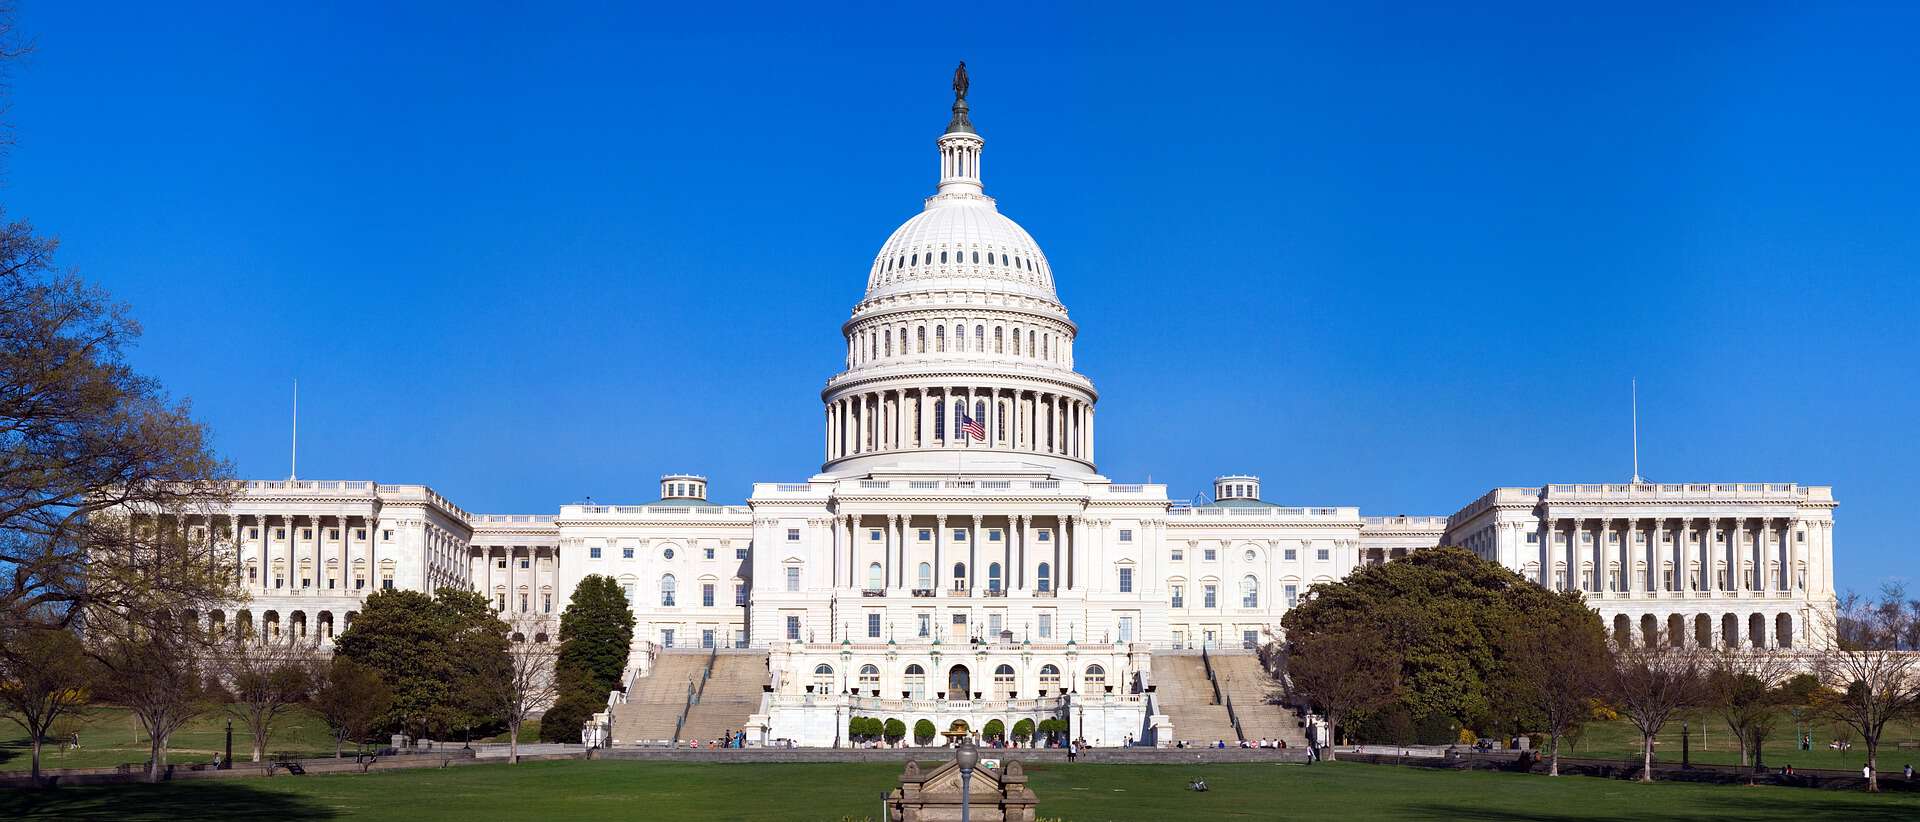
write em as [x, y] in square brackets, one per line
[959, 500]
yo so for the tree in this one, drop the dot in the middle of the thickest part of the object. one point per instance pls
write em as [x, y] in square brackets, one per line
[1745, 688]
[529, 684]
[1649, 683]
[895, 730]
[161, 678]
[1341, 673]
[1023, 730]
[1551, 665]
[99, 470]
[442, 656]
[596, 631]
[994, 730]
[352, 699]
[264, 678]
[43, 679]
[1877, 680]
[923, 732]
[1439, 612]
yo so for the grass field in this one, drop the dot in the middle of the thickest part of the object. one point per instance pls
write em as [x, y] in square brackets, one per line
[1711, 743]
[110, 736]
[1083, 793]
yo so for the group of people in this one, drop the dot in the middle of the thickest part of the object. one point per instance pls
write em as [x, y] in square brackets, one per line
[730, 739]
[1220, 744]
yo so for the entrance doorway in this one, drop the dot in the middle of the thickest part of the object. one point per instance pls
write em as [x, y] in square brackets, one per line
[959, 683]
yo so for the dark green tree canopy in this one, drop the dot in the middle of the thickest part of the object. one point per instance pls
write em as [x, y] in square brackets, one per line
[436, 654]
[595, 631]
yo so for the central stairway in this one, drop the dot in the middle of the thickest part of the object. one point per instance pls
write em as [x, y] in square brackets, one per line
[731, 696]
[1256, 699]
[1186, 697]
[656, 702]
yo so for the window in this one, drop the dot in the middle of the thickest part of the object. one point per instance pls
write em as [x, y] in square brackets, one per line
[666, 590]
[875, 579]
[740, 594]
[1293, 595]
[387, 535]
[1249, 640]
[1208, 595]
[525, 563]
[707, 553]
[793, 578]
[1250, 556]
[959, 576]
[995, 624]
[358, 533]
[1003, 680]
[1044, 577]
[386, 583]
[1209, 555]
[1533, 537]
[993, 535]
[666, 637]
[524, 602]
[873, 625]
[1046, 626]
[1095, 679]
[626, 552]
[1289, 554]
[959, 535]
[1179, 555]
[924, 626]
[1179, 595]
[793, 627]
[593, 552]
[1126, 535]
[706, 638]
[926, 534]
[502, 565]
[793, 535]
[1043, 535]
[925, 576]
[1050, 678]
[1320, 554]
[1126, 580]
[500, 602]
[706, 594]
[281, 533]
[739, 553]
[546, 603]
[993, 576]
[873, 535]
[626, 588]
[1249, 592]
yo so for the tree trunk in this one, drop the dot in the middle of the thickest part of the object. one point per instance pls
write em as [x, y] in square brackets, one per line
[1873, 764]
[1646, 757]
[1553, 755]
[337, 743]
[36, 760]
[157, 753]
[513, 744]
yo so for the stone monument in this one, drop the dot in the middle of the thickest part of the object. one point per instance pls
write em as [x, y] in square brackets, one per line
[934, 796]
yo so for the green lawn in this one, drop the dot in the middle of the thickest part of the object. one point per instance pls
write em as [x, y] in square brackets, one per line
[676, 791]
[1713, 743]
[110, 736]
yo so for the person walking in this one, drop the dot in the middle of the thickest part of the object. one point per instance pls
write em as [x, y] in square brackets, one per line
[1073, 751]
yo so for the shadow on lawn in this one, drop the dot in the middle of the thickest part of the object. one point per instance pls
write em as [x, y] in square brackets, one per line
[214, 801]
[1775, 805]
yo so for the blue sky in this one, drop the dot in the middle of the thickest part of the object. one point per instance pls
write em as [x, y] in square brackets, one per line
[1383, 255]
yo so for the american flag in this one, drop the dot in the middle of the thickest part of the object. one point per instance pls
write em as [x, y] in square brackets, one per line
[972, 427]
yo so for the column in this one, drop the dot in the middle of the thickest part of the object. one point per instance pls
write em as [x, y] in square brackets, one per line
[1089, 433]
[1656, 581]
[941, 574]
[973, 553]
[853, 552]
[1763, 551]
[1077, 550]
[1025, 526]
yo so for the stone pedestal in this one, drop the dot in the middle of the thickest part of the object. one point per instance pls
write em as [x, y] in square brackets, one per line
[934, 796]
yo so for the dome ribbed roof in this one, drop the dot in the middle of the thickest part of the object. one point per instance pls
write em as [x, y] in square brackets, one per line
[961, 243]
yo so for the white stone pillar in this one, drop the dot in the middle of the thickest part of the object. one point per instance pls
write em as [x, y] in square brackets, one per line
[1089, 433]
[942, 575]
[973, 553]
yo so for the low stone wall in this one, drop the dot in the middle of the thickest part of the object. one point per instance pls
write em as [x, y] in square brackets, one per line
[1631, 768]
[251, 770]
[1103, 756]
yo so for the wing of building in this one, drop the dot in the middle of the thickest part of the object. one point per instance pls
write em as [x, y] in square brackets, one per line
[958, 557]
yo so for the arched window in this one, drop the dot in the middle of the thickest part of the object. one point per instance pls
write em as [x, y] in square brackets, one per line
[943, 258]
[1095, 680]
[939, 338]
[993, 576]
[666, 590]
[1249, 592]
[940, 421]
[1016, 342]
[888, 334]
[1000, 419]
[959, 410]
[1045, 577]
[921, 333]
[980, 411]
[1050, 677]
[976, 257]
[916, 259]
[1032, 349]
[989, 258]
[870, 677]
[999, 340]
[1003, 680]
[926, 576]
[959, 576]
[916, 682]
[823, 678]
[874, 579]
[980, 338]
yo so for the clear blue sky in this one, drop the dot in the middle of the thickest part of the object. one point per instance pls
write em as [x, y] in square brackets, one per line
[1383, 256]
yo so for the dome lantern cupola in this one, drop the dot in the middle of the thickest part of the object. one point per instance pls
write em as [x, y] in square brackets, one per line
[1236, 486]
[688, 487]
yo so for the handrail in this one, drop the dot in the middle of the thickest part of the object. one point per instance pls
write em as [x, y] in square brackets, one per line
[707, 673]
[1207, 662]
[1235, 719]
[682, 721]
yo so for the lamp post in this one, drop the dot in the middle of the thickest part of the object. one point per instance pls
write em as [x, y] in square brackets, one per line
[1685, 745]
[967, 756]
[228, 761]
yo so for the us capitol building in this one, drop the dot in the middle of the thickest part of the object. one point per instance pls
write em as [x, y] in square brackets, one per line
[959, 557]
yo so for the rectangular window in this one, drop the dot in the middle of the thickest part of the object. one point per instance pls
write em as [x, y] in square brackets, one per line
[1293, 595]
[1320, 554]
[1126, 629]
[1249, 640]
[793, 579]
[666, 637]
[1208, 595]
[306, 533]
[1043, 536]
[739, 553]
[995, 624]
[926, 535]
[1179, 596]
[793, 628]
[873, 626]
[546, 603]
[254, 533]
[593, 552]
[1179, 555]
[387, 584]
[706, 594]
[358, 533]
[502, 565]
[1126, 580]
[708, 553]
[740, 638]
[873, 535]
[1209, 554]
[706, 638]
[279, 533]
[525, 563]
[1126, 535]
[993, 535]
[1533, 537]
[333, 533]
[626, 589]
[959, 535]
[1289, 554]
[793, 535]
[925, 628]
[386, 535]
[739, 594]
[1046, 626]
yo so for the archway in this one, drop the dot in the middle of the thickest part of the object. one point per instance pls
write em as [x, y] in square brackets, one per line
[1757, 631]
[1783, 631]
[959, 683]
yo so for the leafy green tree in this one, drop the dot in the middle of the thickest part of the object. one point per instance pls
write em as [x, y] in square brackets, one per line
[1551, 662]
[596, 630]
[44, 674]
[923, 732]
[440, 655]
[994, 729]
[1438, 612]
[1023, 730]
[895, 730]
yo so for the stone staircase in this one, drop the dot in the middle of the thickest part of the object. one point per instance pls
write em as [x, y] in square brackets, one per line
[655, 701]
[1186, 697]
[731, 696]
[1256, 699]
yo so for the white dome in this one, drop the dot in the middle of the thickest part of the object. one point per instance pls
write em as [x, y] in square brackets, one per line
[961, 242]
